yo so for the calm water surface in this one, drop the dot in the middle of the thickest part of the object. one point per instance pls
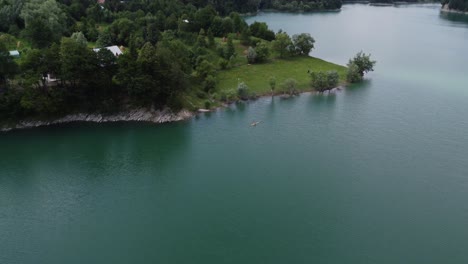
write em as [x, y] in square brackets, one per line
[376, 173]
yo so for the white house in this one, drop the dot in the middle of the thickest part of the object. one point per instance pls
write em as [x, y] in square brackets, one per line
[114, 49]
[14, 53]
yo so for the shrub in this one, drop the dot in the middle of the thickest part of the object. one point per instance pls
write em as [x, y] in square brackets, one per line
[272, 83]
[243, 91]
[227, 96]
[209, 83]
[290, 86]
[282, 44]
[204, 69]
[363, 63]
[245, 37]
[322, 81]
[303, 43]
[319, 81]
[251, 55]
[353, 75]
[223, 64]
[332, 79]
[263, 51]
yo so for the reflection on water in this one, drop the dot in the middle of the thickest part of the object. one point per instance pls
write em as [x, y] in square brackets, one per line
[327, 98]
[88, 148]
[363, 85]
[455, 17]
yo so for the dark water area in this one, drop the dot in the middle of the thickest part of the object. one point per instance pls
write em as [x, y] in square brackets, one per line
[374, 173]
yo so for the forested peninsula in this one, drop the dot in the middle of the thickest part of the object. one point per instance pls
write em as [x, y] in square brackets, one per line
[69, 57]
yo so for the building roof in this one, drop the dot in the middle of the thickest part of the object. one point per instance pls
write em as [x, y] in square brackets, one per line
[14, 53]
[114, 49]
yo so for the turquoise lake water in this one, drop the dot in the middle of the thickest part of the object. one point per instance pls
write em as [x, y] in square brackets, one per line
[374, 173]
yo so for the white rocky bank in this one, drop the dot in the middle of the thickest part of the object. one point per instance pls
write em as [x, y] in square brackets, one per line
[142, 115]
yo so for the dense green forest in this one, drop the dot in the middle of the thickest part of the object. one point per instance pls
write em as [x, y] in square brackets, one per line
[172, 49]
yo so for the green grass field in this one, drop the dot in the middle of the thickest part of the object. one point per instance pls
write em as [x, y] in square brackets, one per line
[257, 76]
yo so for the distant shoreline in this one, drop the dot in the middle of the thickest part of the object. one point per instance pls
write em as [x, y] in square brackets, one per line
[446, 9]
[142, 114]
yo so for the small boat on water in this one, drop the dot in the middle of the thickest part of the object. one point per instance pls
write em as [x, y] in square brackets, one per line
[255, 123]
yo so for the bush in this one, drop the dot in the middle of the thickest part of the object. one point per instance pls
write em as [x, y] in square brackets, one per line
[209, 83]
[272, 83]
[322, 81]
[251, 55]
[282, 44]
[204, 69]
[245, 37]
[227, 96]
[230, 49]
[353, 74]
[303, 44]
[363, 63]
[290, 86]
[263, 51]
[243, 91]
[220, 51]
[223, 64]
[332, 79]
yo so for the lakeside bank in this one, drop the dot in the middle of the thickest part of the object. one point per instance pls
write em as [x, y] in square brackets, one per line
[136, 115]
[445, 8]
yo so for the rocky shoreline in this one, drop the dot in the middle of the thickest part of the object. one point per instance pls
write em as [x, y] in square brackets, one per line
[445, 8]
[136, 115]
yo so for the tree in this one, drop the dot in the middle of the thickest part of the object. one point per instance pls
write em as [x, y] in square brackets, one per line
[353, 75]
[78, 63]
[245, 37]
[204, 16]
[303, 43]
[80, 38]
[228, 25]
[332, 79]
[9, 13]
[263, 51]
[205, 69]
[217, 26]
[8, 66]
[243, 91]
[272, 83]
[289, 86]
[107, 68]
[209, 83]
[239, 23]
[360, 64]
[43, 19]
[282, 43]
[251, 55]
[322, 81]
[260, 30]
[319, 81]
[34, 68]
[105, 39]
[230, 50]
[211, 40]
[122, 30]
